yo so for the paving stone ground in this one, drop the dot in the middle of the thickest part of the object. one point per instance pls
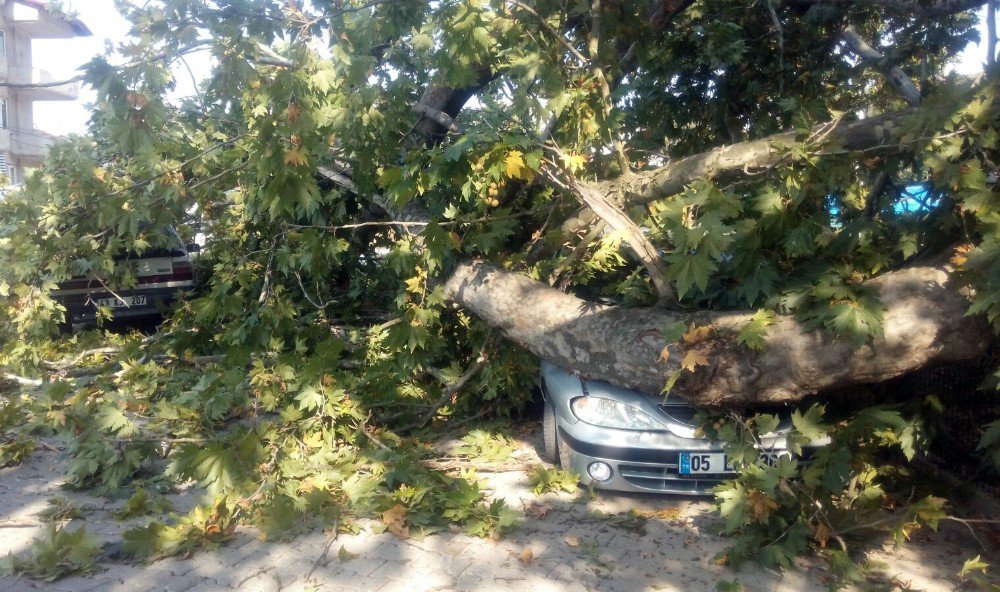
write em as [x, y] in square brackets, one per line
[571, 547]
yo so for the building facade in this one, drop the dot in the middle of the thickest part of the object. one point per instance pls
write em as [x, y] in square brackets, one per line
[22, 147]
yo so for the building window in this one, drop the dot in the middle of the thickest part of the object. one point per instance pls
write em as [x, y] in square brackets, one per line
[3, 113]
[3, 43]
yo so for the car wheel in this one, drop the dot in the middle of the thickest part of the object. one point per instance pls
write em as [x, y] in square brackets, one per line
[550, 437]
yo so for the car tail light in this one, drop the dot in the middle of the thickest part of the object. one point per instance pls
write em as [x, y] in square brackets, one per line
[183, 271]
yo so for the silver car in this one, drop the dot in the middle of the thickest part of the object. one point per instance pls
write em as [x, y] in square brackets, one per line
[624, 440]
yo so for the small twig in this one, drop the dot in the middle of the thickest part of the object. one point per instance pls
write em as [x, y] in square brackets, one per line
[449, 392]
[21, 380]
[265, 289]
[109, 290]
[972, 520]
[326, 549]
[576, 254]
[61, 364]
[551, 30]
[405, 223]
[305, 292]
[18, 524]
[968, 522]
[363, 427]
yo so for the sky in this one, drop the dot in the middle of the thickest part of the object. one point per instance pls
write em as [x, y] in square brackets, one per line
[63, 58]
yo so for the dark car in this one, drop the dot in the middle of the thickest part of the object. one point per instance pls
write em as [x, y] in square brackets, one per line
[161, 273]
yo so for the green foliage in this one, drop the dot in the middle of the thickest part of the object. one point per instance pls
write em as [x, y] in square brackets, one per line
[59, 509]
[59, 552]
[142, 503]
[482, 446]
[990, 442]
[15, 445]
[203, 527]
[292, 383]
[754, 332]
[544, 479]
[15, 450]
[832, 492]
[970, 578]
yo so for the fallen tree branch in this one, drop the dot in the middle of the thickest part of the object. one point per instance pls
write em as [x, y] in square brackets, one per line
[867, 134]
[75, 360]
[617, 219]
[21, 380]
[924, 322]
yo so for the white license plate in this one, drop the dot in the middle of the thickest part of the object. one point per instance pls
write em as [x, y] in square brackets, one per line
[125, 302]
[710, 463]
[149, 267]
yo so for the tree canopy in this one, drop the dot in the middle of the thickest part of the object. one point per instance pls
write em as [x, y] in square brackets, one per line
[404, 203]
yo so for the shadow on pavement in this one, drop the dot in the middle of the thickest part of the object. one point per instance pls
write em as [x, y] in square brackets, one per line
[613, 542]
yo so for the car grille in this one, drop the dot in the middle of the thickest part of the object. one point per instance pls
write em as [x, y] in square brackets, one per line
[664, 477]
[682, 414]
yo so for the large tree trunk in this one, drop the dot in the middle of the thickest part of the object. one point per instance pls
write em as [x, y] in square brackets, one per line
[924, 323]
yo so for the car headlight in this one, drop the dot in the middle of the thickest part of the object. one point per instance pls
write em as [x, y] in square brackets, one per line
[609, 413]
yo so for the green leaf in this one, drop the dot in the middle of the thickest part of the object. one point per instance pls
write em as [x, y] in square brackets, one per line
[689, 270]
[809, 427]
[732, 503]
[57, 553]
[971, 565]
[143, 542]
[310, 398]
[930, 510]
[754, 333]
[673, 332]
[542, 480]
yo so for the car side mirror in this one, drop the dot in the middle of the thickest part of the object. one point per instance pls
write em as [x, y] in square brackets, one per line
[192, 247]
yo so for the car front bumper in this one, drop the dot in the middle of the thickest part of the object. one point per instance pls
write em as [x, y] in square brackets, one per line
[642, 461]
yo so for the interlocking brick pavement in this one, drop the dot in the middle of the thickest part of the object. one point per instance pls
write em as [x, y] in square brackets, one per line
[571, 549]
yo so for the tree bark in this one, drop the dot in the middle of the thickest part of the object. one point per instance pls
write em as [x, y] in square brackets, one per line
[894, 74]
[607, 211]
[924, 323]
